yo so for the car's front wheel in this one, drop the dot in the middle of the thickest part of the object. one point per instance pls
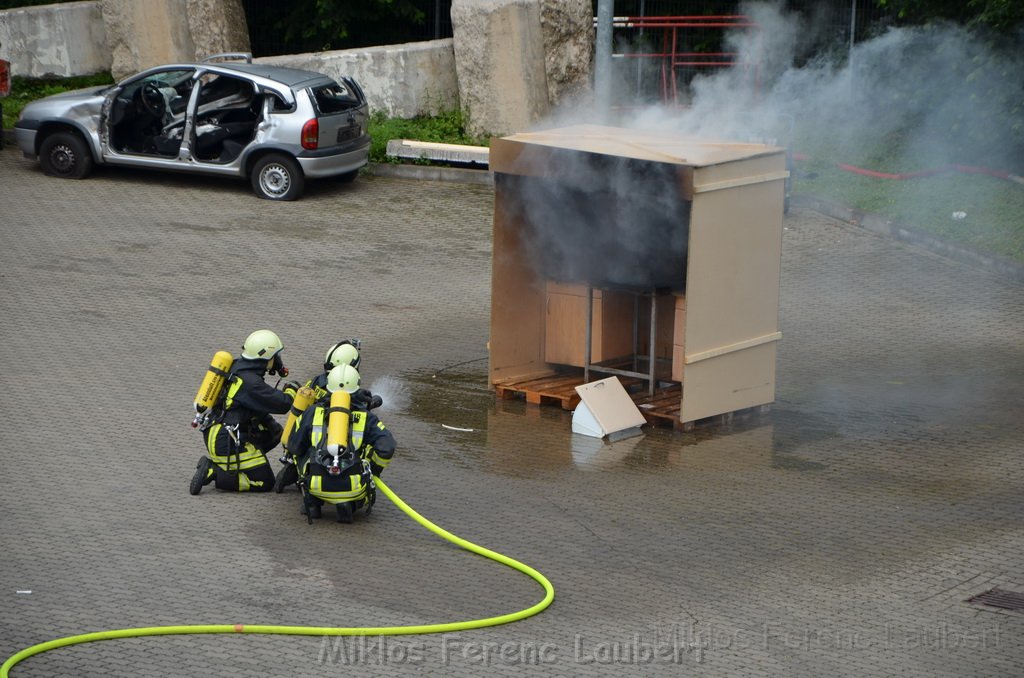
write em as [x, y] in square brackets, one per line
[277, 177]
[66, 155]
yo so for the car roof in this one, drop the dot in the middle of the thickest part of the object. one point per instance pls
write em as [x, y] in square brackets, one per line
[293, 77]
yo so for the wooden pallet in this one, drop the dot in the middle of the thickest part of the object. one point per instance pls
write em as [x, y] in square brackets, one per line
[552, 389]
[661, 409]
[559, 388]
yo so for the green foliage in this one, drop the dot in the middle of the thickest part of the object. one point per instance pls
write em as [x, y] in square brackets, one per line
[993, 205]
[24, 90]
[446, 128]
[299, 26]
[1004, 16]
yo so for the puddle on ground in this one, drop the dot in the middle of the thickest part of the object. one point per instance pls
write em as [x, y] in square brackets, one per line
[469, 426]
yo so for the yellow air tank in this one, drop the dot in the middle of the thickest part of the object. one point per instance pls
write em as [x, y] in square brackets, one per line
[303, 399]
[338, 422]
[213, 382]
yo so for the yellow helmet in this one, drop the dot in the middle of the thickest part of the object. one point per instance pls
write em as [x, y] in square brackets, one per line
[261, 345]
[343, 353]
[343, 377]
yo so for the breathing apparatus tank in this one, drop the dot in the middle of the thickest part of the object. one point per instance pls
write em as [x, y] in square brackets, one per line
[337, 427]
[303, 399]
[212, 385]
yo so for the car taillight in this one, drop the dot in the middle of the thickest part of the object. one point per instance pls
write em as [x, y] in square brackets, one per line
[310, 134]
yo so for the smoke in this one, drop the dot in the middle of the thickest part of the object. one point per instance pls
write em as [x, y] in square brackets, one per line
[605, 220]
[908, 99]
[926, 96]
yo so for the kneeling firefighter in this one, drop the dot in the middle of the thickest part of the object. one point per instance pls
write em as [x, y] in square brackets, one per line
[340, 445]
[345, 352]
[237, 425]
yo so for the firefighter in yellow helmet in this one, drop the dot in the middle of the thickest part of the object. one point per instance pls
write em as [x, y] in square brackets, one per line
[242, 431]
[345, 352]
[343, 479]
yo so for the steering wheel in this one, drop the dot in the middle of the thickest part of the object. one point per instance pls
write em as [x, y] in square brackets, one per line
[153, 99]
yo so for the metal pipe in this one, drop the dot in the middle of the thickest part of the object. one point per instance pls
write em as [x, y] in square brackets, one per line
[651, 361]
[853, 26]
[603, 56]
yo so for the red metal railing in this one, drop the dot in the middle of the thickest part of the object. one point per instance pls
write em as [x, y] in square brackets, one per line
[675, 60]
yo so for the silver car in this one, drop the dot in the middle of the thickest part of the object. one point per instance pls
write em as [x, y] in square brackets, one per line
[276, 126]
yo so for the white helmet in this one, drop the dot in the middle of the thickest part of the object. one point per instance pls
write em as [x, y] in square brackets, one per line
[343, 377]
[342, 353]
[261, 345]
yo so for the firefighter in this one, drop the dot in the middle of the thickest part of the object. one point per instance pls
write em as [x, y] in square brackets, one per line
[343, 479]
[243, 430]
[345, 352]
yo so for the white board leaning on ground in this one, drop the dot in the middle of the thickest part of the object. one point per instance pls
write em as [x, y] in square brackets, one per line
[606, 409]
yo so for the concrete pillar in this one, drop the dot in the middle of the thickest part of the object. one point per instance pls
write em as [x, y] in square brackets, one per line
[217, 26]
[499, 61]
[568, 27]
[145, 34]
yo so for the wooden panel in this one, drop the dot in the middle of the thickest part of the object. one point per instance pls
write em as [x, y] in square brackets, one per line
[729, 382]
[679, 329]
[678, 360]
[678, 338]
[565, 328]
[734, 263]
[517, 299]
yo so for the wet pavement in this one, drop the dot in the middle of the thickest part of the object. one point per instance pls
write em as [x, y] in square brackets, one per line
[840, 534]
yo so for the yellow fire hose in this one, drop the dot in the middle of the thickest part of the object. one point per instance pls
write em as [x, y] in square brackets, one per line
[549, 595]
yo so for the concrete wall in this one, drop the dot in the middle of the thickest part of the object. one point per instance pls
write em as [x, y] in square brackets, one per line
[64, 40]
[55, 40]
[417, 78]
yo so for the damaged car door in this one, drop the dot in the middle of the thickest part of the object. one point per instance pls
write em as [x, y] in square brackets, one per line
[143, 118]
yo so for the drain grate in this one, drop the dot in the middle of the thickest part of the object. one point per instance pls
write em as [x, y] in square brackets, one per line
[1007, 600]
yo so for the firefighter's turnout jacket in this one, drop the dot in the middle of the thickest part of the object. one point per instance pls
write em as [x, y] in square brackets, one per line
[370, 440]
[238, 443]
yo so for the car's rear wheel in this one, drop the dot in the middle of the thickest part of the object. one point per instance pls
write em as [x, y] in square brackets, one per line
[277, 177]
[66, 155]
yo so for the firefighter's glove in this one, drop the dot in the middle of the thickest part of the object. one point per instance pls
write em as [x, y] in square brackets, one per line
[376, 469]
[291, 388]
[365, 400]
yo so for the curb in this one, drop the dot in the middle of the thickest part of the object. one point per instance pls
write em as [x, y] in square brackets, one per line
[890, 229]
[429, 173]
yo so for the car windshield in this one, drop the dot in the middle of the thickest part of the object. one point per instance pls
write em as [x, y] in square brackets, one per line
[171, 78]
[334, 98]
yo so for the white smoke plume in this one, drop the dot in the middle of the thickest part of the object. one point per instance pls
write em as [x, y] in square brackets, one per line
[940, 92]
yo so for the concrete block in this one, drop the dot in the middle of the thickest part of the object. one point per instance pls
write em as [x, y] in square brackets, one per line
[217, 26]
[403, 81]
[499, 59]
[568, 28]
[54, 40]
[141, 35]
[425, 150]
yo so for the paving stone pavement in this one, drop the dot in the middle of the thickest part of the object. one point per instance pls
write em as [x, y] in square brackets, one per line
[839, 535]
